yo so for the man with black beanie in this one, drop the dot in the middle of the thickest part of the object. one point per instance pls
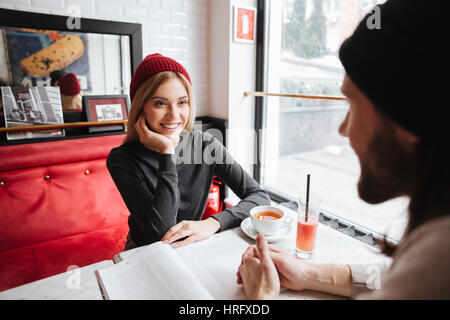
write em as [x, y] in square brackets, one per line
[396, 81]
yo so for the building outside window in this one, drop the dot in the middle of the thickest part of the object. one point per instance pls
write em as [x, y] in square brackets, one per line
[300, 136]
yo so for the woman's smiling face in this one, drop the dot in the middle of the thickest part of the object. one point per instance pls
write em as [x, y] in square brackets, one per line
[167, 111]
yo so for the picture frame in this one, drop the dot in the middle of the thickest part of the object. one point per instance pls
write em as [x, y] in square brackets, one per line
[244, 24]
[106, 108]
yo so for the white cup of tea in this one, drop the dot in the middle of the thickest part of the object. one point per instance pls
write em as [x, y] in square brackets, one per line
[269, 220]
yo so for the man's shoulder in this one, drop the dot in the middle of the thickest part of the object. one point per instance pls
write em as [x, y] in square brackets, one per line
[429, 243]
[420, 265]
[432, 230]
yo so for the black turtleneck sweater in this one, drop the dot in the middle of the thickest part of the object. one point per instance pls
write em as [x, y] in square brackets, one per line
[161, 190]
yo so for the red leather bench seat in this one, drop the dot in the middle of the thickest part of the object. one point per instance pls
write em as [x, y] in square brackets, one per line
[58, 208]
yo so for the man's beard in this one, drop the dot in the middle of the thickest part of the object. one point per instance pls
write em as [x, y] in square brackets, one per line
[385, 169]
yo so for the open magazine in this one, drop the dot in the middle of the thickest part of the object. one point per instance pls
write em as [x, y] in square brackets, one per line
[199, 271]
[27, 106]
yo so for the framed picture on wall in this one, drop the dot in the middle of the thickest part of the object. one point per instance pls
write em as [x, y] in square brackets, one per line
[106, 108]
[244, 21]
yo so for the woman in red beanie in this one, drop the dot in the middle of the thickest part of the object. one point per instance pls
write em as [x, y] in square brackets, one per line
[70, 92]
[164, 168]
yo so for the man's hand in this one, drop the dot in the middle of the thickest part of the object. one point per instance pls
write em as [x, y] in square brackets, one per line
[296, 274]
[193, 230]
[257, 272]
[293, 272]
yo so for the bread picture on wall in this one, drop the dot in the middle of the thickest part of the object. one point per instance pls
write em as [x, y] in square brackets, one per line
[57, 56]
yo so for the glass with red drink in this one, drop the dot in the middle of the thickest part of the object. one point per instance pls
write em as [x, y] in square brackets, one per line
[307, 226]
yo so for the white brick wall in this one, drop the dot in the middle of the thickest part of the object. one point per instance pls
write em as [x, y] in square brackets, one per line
[175, 28]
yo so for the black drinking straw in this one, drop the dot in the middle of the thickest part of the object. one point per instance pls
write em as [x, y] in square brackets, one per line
[307, 199]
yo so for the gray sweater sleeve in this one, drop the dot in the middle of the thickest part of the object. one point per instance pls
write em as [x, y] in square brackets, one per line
[242, 184]
[155, 211]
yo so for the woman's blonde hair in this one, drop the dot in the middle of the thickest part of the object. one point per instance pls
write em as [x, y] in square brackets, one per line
[146, 91]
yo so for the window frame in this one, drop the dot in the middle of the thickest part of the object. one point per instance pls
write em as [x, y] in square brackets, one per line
[359, 232]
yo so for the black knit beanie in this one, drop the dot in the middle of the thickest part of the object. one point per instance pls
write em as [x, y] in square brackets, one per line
[404, 66]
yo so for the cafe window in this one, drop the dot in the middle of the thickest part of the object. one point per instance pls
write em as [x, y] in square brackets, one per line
[300, 136]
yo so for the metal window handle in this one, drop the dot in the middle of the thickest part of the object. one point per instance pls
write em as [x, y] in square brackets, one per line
[292, 95]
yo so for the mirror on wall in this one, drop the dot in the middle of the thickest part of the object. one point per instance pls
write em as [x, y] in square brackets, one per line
[33, 57]
[36, 50]
[102, 54]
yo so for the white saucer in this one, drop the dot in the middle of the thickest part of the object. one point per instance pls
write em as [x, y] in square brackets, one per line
[247, 228]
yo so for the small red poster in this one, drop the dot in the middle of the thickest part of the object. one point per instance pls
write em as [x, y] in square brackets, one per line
[245, 19]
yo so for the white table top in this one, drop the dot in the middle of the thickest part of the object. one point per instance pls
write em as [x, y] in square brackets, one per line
[332, 246]
[77, 284]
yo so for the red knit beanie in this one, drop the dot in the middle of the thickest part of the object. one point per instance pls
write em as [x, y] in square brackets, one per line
[69, 84]
[151, 65]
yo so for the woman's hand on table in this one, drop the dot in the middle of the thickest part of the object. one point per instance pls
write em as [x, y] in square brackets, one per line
[257, 272]
[155, 141]
[193, 230]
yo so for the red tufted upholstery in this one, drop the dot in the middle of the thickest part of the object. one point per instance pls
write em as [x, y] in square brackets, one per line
[58, 207]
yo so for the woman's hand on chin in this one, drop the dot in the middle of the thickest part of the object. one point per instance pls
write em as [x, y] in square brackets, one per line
[155, 141]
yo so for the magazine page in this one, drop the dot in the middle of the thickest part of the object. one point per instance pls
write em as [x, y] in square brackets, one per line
[26, 106]
[155, 273]
[215, 262]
